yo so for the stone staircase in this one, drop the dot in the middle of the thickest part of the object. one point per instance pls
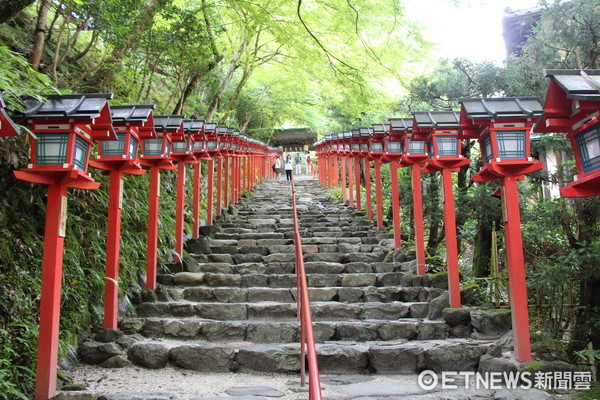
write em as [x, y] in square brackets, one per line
[231, 306]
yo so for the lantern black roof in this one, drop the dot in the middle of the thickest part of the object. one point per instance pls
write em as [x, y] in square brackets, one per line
[401, 124]
[436, 119]
[502, 107]
[209, 127]
[168, 121]
[75, 106]
[381, 129]
[577, 83]
[137, 113]
[193, 125]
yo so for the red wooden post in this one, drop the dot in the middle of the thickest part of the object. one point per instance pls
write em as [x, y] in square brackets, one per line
[418, 218]
[343, 163]
[395, 203]
[179, 210]
[45, 384]
[113, 247]
[226, 182]
[196, 200]
[210, 165]
[153, 202]
[357, 176]
[234, 197]
[368, 200]
[516, 269]
[451, 242]
[219, 185]
[378, 194]
[350, 179]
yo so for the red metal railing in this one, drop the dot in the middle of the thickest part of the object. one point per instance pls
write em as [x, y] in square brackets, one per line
[307, 338]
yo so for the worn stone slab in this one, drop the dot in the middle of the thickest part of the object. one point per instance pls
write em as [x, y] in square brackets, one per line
[380, 389]
[188, 278]
[264, 391]
[149, 355]
[207, 357]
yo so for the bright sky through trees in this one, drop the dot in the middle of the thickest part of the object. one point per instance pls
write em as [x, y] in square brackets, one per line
[469, 29]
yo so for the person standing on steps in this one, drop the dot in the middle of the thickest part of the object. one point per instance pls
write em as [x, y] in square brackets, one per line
[288, 168]
[308, 164]
[298, 164]
[277, 167]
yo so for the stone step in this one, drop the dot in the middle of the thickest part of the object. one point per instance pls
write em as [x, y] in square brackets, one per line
[288, 295]
[257, 264]
[194, 329]
[339, 358]
[332, 311]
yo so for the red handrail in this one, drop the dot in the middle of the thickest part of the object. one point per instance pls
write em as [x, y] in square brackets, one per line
[307, 338]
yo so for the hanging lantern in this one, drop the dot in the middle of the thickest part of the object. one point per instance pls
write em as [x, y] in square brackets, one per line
[65, 128]
[440, 130]
[502, 126]
[159, 148]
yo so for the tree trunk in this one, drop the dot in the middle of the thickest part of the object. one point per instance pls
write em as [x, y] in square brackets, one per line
[233, 65]
[482, 249]
[191, 86]
[39, 36]
[236, 94]
[10, 8]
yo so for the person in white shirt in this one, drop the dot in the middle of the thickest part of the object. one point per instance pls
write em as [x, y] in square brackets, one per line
[277, 167]
[288, 168]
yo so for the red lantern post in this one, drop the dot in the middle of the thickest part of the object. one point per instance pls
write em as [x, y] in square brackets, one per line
[155, 155]
[365, 135]
[376, 143]
[119, 157]
[356, 155]
[65, 128]
[571, 106]
[502, 126]
[182, 154]
[414, 155]
[196, 128]
[393, 154]
[212, 147]
[441, 130]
